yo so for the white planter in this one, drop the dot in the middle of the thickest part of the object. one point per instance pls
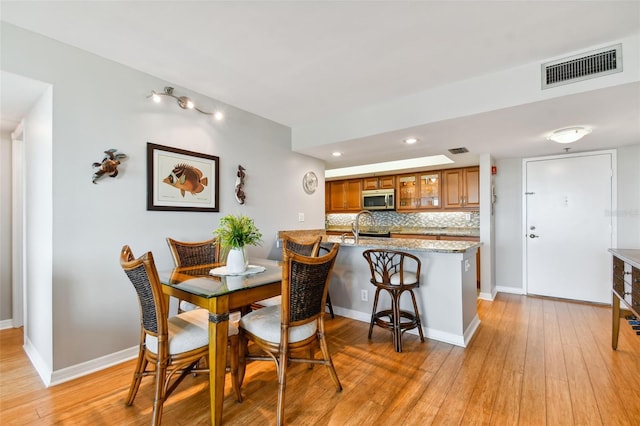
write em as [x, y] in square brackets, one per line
[237, 260]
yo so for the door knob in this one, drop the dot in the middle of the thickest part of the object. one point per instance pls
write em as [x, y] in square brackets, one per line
[533, 236]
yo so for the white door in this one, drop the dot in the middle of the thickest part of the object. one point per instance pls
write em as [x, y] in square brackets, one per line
[569, 226]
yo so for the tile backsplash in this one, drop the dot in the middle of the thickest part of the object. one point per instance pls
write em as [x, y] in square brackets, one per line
[406, 220]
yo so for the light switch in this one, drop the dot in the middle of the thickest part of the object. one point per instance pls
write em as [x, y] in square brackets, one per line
[300, 217]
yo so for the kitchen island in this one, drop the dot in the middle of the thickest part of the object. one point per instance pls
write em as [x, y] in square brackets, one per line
[447, 297]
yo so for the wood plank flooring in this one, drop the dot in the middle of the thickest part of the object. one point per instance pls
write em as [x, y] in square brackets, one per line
[533, 361]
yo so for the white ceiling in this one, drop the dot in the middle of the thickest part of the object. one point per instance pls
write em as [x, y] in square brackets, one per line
[293, 62]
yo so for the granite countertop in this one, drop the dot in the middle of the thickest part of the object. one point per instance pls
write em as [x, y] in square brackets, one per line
[406, 244]
[444, 231]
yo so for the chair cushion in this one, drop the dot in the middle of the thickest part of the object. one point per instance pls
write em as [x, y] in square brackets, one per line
[275, 300]
[409, 278]
[190, 330]
[265, 324]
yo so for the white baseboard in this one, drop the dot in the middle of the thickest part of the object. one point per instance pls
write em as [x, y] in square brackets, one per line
[88, 367]
[5, 324]
[43, 370]
[438, 335]
[52, 378]
[512, 290]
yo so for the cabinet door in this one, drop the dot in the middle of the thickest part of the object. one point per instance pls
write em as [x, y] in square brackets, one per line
[453, 188]
[370, 183]
[407, 192]
[472, 187]
[353, 195]
[337, 195]
[327, 196]
[429, 188]
[346, 195]
[387, 182]
[462, 188]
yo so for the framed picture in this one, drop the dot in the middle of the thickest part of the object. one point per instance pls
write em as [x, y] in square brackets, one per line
[180, 180]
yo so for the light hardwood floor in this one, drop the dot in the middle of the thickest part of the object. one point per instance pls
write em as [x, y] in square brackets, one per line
[533, 361]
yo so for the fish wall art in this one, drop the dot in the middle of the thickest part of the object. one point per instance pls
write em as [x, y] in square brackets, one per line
[186, 178]
[109, 164]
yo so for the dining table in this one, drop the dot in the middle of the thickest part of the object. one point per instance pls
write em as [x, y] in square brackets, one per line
[210, 287]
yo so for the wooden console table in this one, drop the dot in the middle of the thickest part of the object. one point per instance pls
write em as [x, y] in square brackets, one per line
[626, 288]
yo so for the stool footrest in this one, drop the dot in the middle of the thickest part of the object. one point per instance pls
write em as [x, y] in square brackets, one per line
[389, 324]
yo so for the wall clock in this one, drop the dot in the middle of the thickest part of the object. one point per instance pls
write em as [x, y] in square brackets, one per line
[310, 182]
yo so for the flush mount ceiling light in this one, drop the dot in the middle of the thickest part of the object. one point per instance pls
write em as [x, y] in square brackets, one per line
[569, 134]
[336, 154]
[183, 102]
[410, 141]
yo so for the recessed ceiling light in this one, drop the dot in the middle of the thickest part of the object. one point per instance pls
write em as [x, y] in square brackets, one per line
[410, 141]
[568, 135]
[336, 154]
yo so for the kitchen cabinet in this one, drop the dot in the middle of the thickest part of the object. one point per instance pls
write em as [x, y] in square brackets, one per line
[461, 188]
[419, 191]
[345, 195]
[379, 182]
[327, 196]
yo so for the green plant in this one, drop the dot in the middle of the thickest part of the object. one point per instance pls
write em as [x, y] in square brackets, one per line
[237, 232]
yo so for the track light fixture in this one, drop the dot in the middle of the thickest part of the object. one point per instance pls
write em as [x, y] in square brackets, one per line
[183, 102]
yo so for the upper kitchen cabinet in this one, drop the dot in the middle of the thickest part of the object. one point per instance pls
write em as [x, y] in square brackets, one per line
[419, 191]
[345, 195]
[462, 188]
[379, 182]
[327, 196]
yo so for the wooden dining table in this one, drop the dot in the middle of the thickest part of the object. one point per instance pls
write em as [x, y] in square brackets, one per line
[220, 295]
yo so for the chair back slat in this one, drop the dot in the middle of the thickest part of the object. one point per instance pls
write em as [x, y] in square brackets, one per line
[143, 275]
[305, 247]
[385, 264]
[140, 280]
[305, 285]
[194, 253]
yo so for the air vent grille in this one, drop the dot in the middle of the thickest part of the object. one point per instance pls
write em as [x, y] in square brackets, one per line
[596, 63]
[460, 150]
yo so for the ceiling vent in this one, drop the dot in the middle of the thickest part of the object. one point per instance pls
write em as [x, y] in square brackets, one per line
[596, 63]
[461, 150]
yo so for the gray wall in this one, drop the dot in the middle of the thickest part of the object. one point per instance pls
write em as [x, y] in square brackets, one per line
[509, 232]
[77, 228]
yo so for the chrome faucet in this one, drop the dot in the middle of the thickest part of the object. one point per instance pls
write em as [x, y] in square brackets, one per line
[355, 226]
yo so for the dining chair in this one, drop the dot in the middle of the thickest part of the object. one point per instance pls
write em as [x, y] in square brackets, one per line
[389, 273]
[191, 253]
[295, 326]
[173, 346]
[307, 247]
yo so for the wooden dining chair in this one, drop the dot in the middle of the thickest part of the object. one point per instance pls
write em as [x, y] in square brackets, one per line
[294, 326]
[173, 346]
[395, 272]
[307, 247]
[191, 253]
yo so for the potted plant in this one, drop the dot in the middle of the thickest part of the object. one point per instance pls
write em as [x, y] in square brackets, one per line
[234, 234]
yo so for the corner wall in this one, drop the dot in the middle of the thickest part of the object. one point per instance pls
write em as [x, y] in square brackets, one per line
[98, 105]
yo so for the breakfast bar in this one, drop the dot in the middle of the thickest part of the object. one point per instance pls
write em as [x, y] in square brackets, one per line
[447, 296]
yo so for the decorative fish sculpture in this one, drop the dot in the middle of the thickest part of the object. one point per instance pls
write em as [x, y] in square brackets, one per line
[240, 195]
[187, 179]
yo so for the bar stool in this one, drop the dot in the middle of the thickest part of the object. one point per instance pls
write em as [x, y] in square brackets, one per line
[388, 273]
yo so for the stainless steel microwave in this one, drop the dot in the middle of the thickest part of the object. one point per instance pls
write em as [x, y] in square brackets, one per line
[378, 199]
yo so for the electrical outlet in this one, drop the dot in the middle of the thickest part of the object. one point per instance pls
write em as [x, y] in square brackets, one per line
[364, 295]
[300, 217]
[467, 216]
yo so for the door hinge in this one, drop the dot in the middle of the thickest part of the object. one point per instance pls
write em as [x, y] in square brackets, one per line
[529, 193]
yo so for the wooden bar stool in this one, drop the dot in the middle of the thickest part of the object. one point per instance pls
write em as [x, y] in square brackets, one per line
[388, 273]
